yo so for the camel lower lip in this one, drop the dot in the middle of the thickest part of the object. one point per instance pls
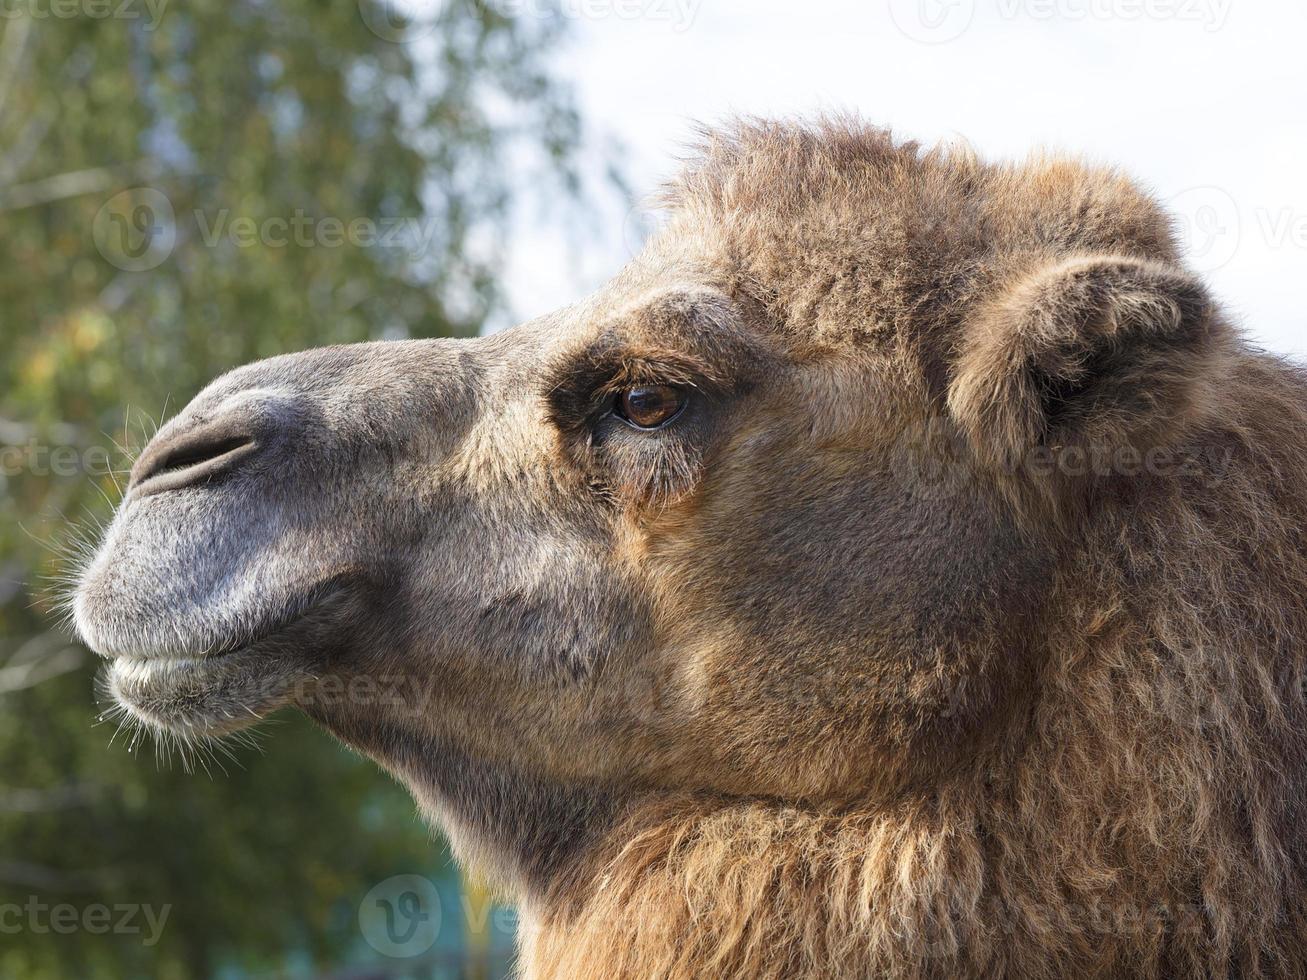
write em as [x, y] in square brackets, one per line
[210, 695]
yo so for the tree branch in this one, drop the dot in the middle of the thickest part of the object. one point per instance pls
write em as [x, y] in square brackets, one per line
[75, 183]
[35, 662]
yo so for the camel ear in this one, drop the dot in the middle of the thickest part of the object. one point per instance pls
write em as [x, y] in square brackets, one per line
[1093, 352]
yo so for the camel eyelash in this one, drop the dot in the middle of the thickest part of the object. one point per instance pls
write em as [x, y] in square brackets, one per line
[587, 388]
[653, 465]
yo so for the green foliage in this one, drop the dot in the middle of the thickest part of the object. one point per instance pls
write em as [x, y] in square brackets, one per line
[184, 188]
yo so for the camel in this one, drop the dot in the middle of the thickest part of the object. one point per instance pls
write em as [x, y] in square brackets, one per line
[897, 570]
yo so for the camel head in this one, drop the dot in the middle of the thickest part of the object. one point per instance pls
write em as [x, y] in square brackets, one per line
[773, 515]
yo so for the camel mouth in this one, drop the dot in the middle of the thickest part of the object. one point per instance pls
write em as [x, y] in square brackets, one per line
[205, 696]
[229, 687]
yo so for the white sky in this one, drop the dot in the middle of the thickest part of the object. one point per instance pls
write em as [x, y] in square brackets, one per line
[1203, 100]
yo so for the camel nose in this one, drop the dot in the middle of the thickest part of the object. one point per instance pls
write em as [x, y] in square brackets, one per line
[194, 455]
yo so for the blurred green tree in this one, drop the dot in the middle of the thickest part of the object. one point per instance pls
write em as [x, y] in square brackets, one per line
[185, 187]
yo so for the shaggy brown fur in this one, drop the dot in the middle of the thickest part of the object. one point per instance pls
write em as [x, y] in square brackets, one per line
[956, 628]
[1141, 814]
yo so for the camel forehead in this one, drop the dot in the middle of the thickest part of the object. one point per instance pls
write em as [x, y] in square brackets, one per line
[846, 175]
[846, 237]
[835, 236]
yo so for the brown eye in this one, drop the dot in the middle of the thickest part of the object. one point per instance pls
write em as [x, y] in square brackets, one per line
[649, 406]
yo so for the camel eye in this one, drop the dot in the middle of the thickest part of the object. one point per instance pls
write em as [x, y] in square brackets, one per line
[650, 406]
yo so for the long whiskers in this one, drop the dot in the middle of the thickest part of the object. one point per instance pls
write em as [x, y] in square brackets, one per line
[196, 750]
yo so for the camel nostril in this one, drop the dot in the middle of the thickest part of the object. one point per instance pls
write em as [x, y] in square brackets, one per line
[193, 454]
[189, 457]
